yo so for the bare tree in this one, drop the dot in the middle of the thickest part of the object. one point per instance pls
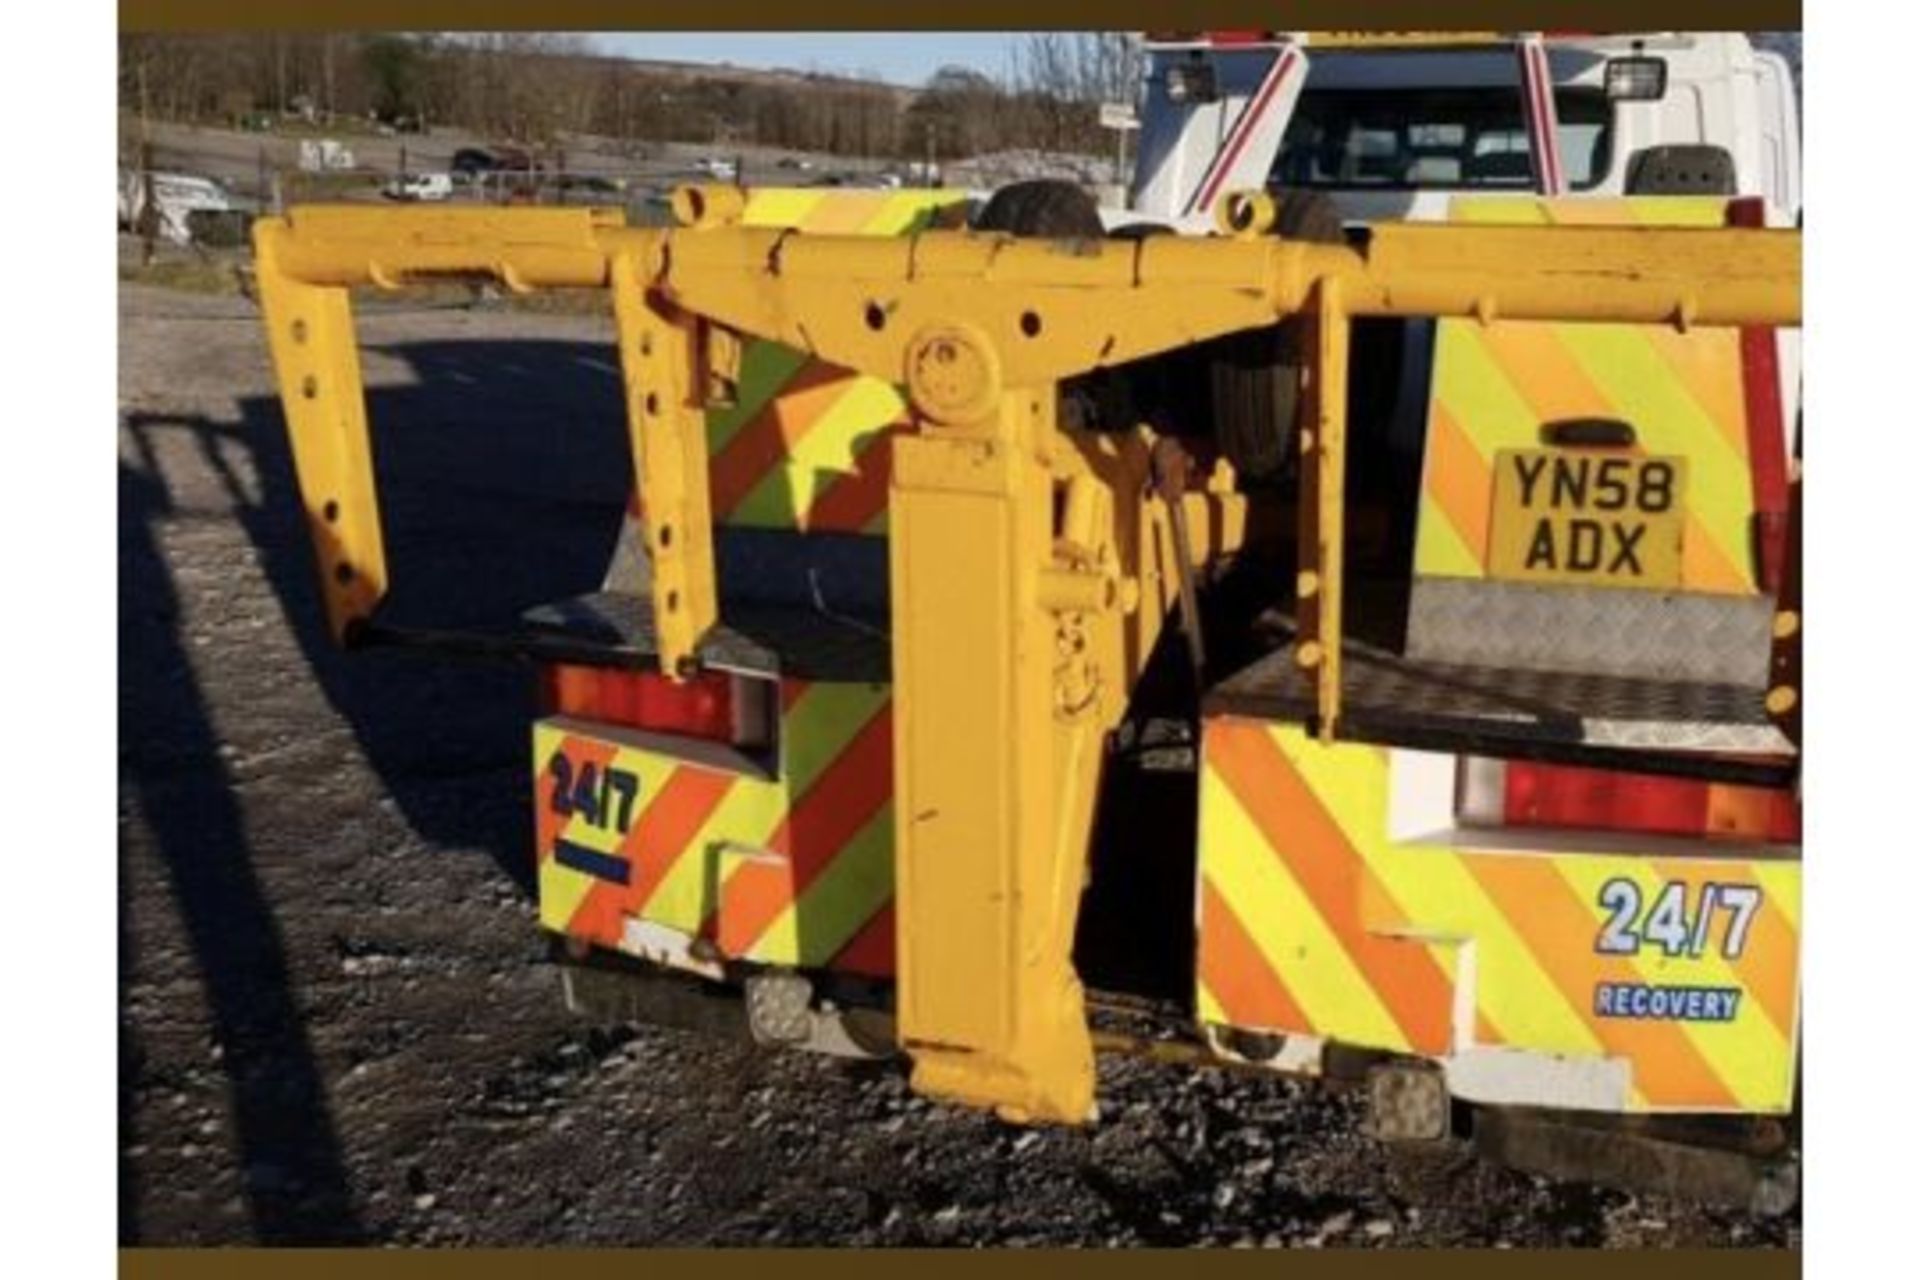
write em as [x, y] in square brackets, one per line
[534, 89]
[1062, 76]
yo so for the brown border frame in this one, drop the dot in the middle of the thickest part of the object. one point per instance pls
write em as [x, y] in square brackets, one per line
[977, 15]
[611, 15]
[933, 1264]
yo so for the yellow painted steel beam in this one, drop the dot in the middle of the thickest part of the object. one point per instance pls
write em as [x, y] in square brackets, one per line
[1055, 309]
[1323, 450]
[749, 277]
[662, 369]
[1006, 609]
[1042, 310]
[317, 363]
[526, 248]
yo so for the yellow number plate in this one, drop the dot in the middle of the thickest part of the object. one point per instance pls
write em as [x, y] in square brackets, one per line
[1593, 517]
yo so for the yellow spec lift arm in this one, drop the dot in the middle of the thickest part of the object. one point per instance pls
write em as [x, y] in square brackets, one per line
[1013, 564]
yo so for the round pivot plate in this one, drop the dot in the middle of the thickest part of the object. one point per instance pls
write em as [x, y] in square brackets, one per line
[953, 374]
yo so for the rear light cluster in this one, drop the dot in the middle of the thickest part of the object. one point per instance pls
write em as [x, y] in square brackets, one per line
[1516, 793]
[717, 706]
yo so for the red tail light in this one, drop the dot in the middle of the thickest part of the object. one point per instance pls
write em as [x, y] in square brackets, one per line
[1517, 793]
[714, 705]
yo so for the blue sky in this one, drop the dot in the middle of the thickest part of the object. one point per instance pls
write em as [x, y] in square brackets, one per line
[902, 57]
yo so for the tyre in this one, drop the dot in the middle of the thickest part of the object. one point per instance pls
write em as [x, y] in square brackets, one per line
[1256, 378]
[1043, 207]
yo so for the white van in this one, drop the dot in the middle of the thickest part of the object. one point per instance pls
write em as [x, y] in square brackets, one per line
[419, 186]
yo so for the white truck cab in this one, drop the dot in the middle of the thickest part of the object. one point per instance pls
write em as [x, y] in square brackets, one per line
[1393, 125]
[1402, 125]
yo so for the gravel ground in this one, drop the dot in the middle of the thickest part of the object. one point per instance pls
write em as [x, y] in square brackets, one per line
[337, 1019]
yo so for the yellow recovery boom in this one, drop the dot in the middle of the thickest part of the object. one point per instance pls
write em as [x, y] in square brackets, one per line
[1022, 610]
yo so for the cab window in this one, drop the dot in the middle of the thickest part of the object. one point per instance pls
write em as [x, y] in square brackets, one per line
[1460, 138]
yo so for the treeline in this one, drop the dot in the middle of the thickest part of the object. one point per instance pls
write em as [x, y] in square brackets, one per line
[534, 89]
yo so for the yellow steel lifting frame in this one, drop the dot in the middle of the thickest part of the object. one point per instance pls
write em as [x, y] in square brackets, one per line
[1024, 600]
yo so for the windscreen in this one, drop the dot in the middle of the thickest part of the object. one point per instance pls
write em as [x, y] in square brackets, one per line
[1406, 139]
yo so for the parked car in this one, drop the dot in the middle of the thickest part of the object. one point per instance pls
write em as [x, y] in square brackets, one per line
[419, 186]
[469, 162]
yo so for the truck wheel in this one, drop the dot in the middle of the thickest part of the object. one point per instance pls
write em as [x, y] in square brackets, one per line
[1256, 376]
[1044, 207]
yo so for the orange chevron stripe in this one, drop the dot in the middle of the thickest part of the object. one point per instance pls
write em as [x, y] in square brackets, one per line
[664, 834]
[845, 212]
[1308, 841]
[1772, 985]
[1250, 993]
[791, 691]
[839, 803]
[1761, 970]
[1460, 480]
[1589, 212]
[657, 841]
[1545, 914]
[870, 950]
[1538, 366]
[547, 822]
[599, 916]
[764, 441]
[852, 501]
[1704, 369]
[1704, 563]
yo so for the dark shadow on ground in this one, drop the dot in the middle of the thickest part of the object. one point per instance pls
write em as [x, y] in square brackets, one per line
[173, 774]
[130, 1071]
[504, 473]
